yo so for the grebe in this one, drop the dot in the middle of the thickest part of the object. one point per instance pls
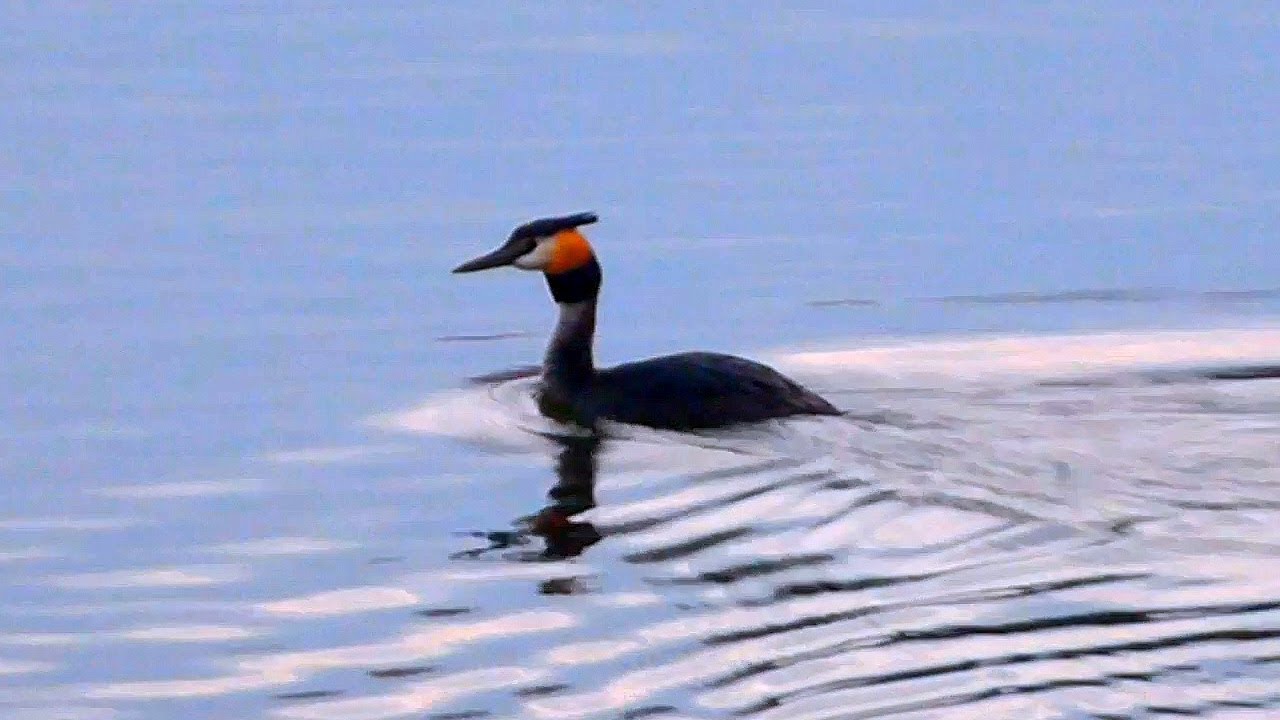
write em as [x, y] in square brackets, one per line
[678, 392]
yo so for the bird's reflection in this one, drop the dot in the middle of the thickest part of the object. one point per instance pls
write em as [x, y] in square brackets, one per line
[573, 493]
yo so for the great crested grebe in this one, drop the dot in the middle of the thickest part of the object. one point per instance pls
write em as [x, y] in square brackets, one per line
[679, 392]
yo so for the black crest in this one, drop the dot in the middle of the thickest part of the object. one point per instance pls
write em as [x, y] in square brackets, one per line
[545, 227]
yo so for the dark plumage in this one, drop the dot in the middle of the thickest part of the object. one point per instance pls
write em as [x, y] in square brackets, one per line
[687, 391]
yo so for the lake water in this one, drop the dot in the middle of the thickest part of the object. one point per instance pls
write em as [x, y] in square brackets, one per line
[249, 473]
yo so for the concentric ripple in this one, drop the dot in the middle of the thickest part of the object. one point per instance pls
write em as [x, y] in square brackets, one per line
[1018, 539]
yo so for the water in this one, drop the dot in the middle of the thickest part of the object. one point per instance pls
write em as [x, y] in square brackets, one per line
[1031, 251]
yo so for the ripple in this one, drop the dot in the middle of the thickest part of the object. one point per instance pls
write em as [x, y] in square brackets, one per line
[281, 546]
[177, 689]
[1105, 295]
[342, 602]
[185, 489]
[503, 416]
[1046, 356]
[1016, 546]
[990, 554]
[28, 553]
[188, 634]
[24, 667]
[42, 639]
[333, 455]
[82, 524]
[415, 698]
[175, 577]
[66, 712]
[414, 646]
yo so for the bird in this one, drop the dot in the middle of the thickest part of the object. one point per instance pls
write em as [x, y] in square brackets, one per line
[686, 391]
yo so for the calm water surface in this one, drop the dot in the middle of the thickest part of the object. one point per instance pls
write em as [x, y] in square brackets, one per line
[1031, 251]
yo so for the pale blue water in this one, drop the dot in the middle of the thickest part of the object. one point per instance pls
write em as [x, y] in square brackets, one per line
[224, 244]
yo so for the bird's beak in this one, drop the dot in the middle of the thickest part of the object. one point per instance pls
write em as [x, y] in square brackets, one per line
[504, 255]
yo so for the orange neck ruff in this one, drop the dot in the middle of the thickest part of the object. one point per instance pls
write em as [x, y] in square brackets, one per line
[570, 252]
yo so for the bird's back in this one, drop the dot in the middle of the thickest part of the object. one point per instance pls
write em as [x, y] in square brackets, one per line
[699, 390]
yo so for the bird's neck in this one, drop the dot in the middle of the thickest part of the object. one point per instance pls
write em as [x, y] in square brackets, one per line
[569, 362]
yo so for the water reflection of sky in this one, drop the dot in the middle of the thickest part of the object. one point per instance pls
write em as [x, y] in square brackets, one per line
[223, 256]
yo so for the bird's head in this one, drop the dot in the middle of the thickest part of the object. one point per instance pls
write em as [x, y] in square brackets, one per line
[553, 245]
